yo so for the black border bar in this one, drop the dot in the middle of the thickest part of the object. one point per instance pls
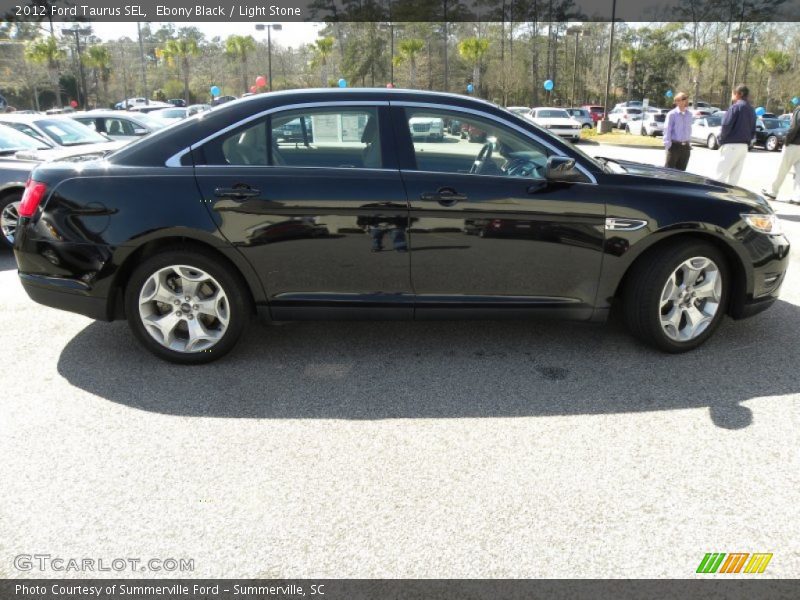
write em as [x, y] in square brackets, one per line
[402, 10]
[715, 586]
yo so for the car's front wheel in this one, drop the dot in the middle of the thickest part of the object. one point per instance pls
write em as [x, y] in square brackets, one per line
[9, 215]
[712, 142]
[675, 299]
[771, 144]
[186, 306]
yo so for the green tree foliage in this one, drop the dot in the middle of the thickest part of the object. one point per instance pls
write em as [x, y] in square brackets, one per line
[181, 51]
[473, 51]
[408, 51]
[98, 58]
[238, 48]
[47, 52]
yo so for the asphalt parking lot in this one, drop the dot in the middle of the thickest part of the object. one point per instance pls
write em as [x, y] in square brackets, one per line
[468, 449]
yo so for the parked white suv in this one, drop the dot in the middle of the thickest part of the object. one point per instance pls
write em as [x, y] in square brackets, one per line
[621, 115]
[427, 128]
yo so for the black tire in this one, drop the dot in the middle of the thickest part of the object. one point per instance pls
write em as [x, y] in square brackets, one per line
[239, 303]
[642, 294]
[5, 203]
[586, 126]
[712, 143]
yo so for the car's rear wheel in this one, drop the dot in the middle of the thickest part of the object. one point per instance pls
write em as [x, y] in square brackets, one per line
[9, 215]
[586, 126]
[676, 299]
[771, 144]
[186, 306]
[712, 142]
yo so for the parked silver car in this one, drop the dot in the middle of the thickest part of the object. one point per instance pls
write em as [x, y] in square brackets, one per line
[582, 116]
[119, 125]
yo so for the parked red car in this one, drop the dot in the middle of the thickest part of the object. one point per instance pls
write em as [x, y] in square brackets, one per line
[597, 113]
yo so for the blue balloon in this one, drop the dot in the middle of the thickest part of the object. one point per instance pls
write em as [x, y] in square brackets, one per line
[760, 111]
[795, 100]
[215, 90]
[470, 88]
[342, 83]
[548, 85]
[669, 94]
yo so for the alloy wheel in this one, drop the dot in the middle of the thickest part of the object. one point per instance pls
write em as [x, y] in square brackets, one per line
[183, 308]
[690, 299]
[8, 221]
[772, 143]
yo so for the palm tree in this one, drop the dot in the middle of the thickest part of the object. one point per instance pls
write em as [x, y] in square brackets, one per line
[237, 47]
[322, 50]
[629, 56]
[473, 50]
[47, 52]
[98, 58]
[408, 52]
[182, 50]
[696, 59]
[773, 62]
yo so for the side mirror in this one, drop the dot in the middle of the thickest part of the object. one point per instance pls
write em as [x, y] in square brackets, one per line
[561, 168]
[140, 131]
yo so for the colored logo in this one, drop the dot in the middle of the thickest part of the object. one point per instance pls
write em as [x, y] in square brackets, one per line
[737, 562]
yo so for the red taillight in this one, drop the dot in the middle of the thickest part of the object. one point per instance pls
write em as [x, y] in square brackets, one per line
[34, 192]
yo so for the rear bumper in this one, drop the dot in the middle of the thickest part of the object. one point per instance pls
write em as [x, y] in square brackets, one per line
[65, 294]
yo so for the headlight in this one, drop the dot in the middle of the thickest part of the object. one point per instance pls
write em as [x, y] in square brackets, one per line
[769, 224]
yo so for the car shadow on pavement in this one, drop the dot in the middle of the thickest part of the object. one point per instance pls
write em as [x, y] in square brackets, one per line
[397, 370]
[7, 260]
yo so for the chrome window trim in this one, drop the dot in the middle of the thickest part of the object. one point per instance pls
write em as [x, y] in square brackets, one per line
[347, 169]
[174, 160]
[491, 117]
[500, 177]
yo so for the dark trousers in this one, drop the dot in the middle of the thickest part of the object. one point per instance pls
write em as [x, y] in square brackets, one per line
[678, 156]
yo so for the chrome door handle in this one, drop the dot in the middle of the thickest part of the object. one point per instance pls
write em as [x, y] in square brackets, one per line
[445, 196]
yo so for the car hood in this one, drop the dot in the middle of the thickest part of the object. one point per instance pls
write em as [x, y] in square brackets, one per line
[555, 121]
[722, 190]
[64, 152]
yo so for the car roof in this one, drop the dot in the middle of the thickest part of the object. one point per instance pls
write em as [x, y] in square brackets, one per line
[104, 114]
[31, 118]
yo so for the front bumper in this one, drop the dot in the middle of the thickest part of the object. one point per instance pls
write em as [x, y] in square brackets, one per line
[769, 255]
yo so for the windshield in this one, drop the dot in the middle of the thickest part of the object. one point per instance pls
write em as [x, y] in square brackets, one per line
[66, 132]
[552, 114]
[171, 113]
[150, 121]
[12, 140]
[775, 124]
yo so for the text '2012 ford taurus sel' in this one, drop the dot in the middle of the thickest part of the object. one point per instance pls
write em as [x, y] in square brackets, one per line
[191, 231]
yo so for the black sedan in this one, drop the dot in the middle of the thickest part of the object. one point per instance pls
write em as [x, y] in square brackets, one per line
[184, 232]
[771, 133]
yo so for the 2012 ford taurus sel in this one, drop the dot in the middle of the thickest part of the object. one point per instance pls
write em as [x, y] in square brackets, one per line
[191, 231]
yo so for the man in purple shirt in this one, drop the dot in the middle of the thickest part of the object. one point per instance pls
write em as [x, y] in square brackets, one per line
[677, 134]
